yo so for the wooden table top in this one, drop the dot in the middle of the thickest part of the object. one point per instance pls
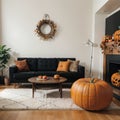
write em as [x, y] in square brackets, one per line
[49, 80]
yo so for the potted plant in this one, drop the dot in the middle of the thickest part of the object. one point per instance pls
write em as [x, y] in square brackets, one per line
[4, 57]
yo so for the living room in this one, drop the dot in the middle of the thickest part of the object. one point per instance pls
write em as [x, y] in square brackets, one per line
[76, 22]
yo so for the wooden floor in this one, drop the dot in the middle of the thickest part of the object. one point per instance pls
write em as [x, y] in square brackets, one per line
[58, 114]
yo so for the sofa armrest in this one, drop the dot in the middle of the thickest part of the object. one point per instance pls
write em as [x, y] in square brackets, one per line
[81, 69]
[12, 69]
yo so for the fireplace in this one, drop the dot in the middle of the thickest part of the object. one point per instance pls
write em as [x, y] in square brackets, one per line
[111, 50]
[112, 66]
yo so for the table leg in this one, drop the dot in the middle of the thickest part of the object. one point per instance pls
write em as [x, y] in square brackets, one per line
[60, 89]
[33, 89]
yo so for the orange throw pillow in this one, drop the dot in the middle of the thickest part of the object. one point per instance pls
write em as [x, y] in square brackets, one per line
[63, 66]
[22, 65]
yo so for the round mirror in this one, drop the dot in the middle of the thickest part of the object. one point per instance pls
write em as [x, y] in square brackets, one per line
[46, 29]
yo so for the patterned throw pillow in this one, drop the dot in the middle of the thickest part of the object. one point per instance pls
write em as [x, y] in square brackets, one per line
[22, 65]
[73, 65]
[63, 66]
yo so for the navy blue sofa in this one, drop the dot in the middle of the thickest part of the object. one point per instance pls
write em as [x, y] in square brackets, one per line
[43, 66]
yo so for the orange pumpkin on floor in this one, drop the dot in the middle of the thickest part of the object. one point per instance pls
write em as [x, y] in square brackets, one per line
[91, 94]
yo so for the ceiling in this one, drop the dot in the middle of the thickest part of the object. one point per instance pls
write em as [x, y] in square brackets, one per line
[109, 7]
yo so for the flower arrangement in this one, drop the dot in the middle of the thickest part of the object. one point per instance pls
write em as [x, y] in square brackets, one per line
[111, 44]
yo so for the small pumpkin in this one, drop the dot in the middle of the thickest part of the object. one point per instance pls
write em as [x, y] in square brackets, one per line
[115, 79]
[56, 76]
[91, 94]
[116, 35]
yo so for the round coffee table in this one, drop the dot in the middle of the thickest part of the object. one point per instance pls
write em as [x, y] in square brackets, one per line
[50, 80]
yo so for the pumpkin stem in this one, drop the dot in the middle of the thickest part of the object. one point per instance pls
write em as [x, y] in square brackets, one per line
[92, 80]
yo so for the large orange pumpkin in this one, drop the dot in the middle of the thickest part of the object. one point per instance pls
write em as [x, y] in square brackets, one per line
[116, 35]
[92, 94]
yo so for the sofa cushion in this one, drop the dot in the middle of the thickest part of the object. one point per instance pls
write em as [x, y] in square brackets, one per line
[23, 75]
[73, 65]
[71, 76]
[22, 65]
[47, 64]
[32, 63]
[63, 66]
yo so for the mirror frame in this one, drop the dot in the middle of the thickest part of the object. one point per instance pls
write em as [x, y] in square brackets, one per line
[52, 32]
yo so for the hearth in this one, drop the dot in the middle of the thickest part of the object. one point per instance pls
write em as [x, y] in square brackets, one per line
[112, 66]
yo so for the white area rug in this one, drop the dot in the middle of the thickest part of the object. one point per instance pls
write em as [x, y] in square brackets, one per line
[21, 99]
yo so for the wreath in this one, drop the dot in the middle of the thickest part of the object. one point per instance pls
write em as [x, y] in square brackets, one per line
[52, 26]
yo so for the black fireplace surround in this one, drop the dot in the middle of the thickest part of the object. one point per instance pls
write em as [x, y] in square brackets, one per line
[112, 66]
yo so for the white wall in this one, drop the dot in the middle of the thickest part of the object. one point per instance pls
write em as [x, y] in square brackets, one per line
[98, 31]
[73, 19]
[98, 35]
